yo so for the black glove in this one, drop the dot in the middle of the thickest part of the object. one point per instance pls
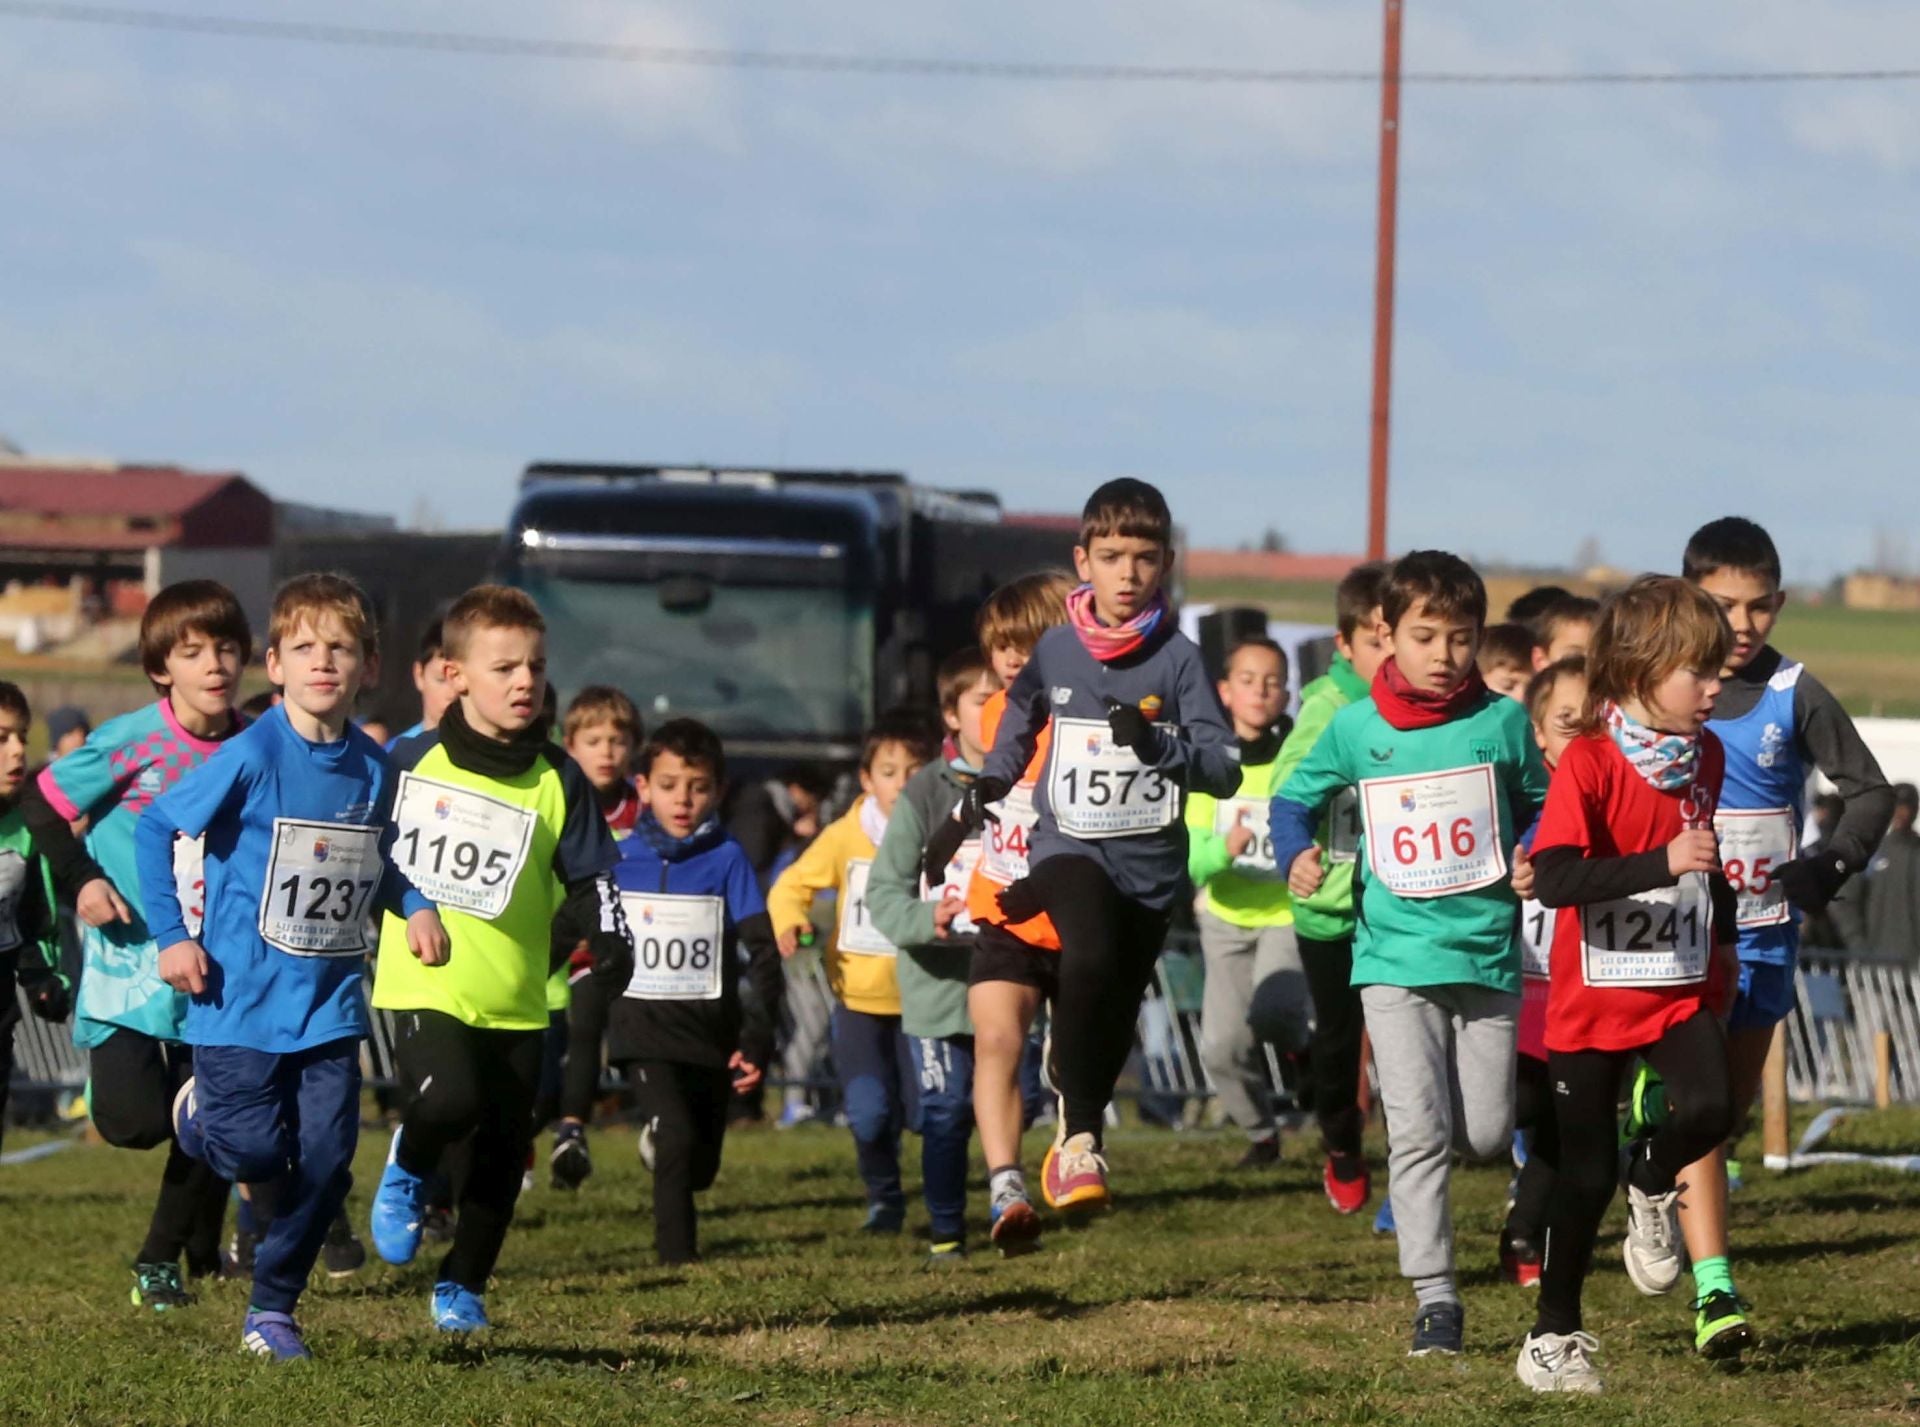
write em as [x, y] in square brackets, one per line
[612, 959]
[1021, 902]
[941, 848]
[1812, 881]
[972, 810]
[52, 999]
[1131, 729]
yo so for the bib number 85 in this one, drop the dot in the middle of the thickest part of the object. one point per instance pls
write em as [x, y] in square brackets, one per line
[458, 859]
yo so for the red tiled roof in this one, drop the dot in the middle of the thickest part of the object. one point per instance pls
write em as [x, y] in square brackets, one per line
[1264, 565]
[58, 490]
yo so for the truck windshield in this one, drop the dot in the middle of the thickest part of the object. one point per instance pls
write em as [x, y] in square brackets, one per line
[749, 661]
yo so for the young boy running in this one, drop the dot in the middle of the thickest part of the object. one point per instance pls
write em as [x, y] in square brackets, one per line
[686, 1037]
[503, 832]
[1641, 953]
[1776, 721]
[1323, 922]
[601, 732]
[292, 813]
[1136, 726]
[1448, 776]
[1557, 707]
[878, 1083]
[1015, 961]
[1245, 913]
[29, 924]
[936, 938]
[194, 641]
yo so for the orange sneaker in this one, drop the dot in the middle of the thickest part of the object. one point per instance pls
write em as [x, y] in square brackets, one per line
[1073, 1175]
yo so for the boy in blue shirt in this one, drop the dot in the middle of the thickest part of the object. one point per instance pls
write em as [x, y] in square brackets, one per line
[686, 1036]
[293, 814]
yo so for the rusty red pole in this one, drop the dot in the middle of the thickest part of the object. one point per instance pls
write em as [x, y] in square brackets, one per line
[1383, 284]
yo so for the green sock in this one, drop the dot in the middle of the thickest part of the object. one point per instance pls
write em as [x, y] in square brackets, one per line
[1712, 1276]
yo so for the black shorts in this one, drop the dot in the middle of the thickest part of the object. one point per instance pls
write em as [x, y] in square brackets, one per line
[999, 955]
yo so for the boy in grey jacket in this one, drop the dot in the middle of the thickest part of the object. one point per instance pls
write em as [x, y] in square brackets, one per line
[936, 937]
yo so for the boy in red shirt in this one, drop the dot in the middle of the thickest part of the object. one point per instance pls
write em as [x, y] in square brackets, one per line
[1642, 954]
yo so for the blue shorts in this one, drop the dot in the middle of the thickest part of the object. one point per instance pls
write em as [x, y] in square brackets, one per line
[1766, 997]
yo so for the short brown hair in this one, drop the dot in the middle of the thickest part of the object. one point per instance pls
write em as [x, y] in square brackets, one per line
[689, 740]
[488, 607]
[204, 607]
[1541, 686]
[601, 703]
[310, 597]
[1568, 609]
[13, 700]
[959, 672]
[1506, 646]
[1253, 641]
[1445, 584]
[1657, 624]
[912, 729]
[1359, 593]
[1127, 508]
[1020, 611]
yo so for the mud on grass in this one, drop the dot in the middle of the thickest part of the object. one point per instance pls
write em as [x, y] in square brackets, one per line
[1208, 1296]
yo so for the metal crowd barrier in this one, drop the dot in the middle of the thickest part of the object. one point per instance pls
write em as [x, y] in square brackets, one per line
[1845, 1002]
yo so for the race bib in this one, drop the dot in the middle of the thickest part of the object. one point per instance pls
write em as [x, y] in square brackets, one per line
[1434, 834]
[1251, 814]
[1343, 826]
[857, 931]
[190, 881]
[1753, 844]
[1003, 844]
[678, 946]
[1536, 940]
[462, 849]
[320, 878]
[1099, 788]
[1657, 938]
[954, 884]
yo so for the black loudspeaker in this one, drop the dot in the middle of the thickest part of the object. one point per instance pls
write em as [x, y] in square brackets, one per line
[1224, 628]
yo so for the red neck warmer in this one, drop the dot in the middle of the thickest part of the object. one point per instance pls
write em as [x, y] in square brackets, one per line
[1405, 707]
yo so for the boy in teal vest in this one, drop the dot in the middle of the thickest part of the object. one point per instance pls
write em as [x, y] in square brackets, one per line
[1448, 777]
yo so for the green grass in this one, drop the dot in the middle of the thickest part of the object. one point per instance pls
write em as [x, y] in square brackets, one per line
[1205, 1298]
[1869, 658]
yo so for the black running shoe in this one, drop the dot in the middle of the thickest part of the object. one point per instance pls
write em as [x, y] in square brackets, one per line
[1261, 1154]
[157, 1286]
[570, 1163]
[342, 1255]
[1440, 1329]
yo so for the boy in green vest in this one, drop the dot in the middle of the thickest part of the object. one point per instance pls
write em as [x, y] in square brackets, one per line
[1245, 915]
[29, 927]
[1323, 922]
[502, 831]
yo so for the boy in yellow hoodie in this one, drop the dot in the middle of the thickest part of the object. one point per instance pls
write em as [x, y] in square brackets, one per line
[879, 1084]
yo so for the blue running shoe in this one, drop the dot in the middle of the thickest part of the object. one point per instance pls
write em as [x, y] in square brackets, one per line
[186, 1122]
[399, 1210]
[1383, 1221]
[456, 1310]
[273, 1335]
[1439, 1331]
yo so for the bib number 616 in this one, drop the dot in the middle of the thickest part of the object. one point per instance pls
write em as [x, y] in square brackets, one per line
[1410, 842]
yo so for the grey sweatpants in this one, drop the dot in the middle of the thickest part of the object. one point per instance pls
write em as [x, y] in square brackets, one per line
[1249, 968]
[1445, 1058]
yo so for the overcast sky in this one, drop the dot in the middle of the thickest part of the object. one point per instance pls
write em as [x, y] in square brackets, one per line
[379, 279]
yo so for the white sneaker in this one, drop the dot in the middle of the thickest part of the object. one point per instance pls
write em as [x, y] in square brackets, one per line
[1559, 1362]
[1653, 1250]
[646, 1146]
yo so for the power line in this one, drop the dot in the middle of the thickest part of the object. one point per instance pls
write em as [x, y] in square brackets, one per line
[799, 62]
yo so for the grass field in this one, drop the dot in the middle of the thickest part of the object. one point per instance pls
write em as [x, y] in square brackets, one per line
[1869, 658]
[1207, 1297]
